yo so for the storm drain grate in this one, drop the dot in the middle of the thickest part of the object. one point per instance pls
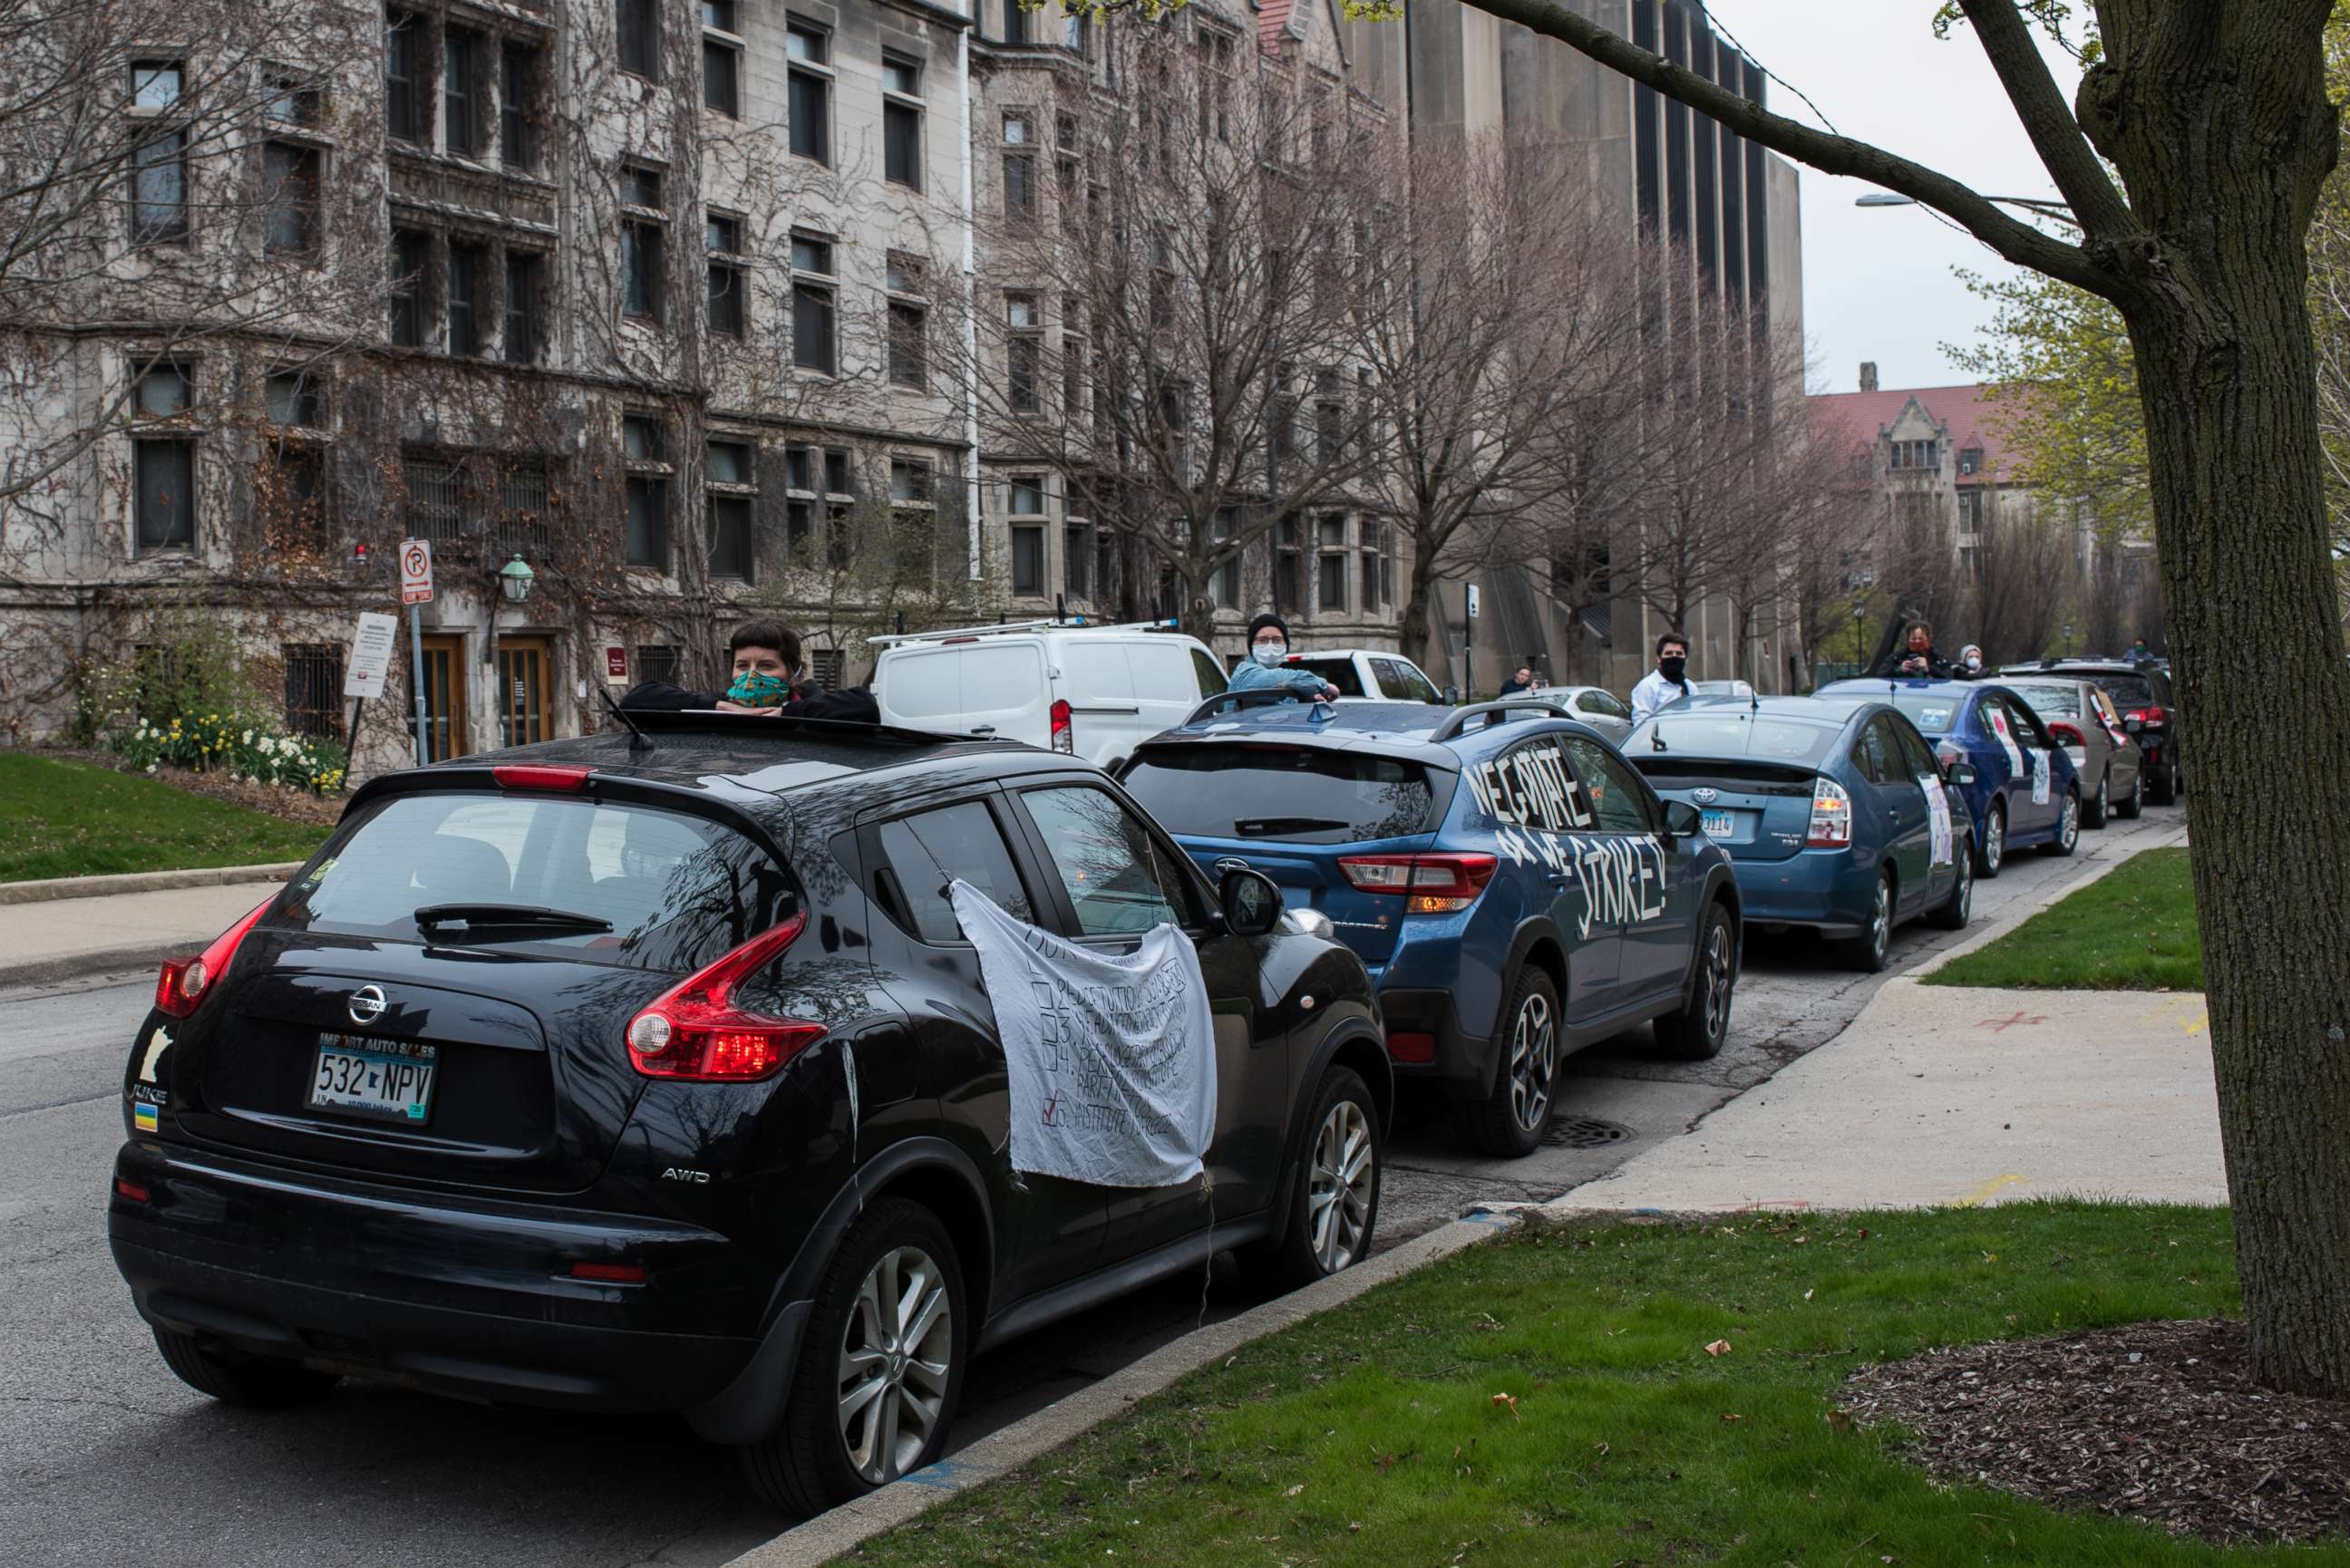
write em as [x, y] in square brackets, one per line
[1585, 1132]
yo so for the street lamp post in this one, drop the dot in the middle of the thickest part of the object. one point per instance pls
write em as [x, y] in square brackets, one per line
[512, 585]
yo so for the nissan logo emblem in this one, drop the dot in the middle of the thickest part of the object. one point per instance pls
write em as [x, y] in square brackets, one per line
[1703, 794]
[367, 1004]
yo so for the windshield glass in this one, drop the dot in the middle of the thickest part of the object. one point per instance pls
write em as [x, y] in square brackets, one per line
[1269, 792]
[2130, 690]
[1932, 715]
[2050, 701]
[679, 891]
[1732, 735]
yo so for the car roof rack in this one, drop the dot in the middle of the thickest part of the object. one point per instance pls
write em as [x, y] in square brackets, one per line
[1461, 716]
[1241, 702]
[1001, 629]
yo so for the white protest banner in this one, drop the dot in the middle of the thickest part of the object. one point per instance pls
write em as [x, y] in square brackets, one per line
[2043, 773]
[1112, 1060]
[370, 655]
[1938, 812]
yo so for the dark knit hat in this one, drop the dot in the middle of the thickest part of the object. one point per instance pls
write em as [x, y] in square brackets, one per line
[1267, 619]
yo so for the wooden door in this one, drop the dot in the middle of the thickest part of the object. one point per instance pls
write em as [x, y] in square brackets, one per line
[524, 707]
[445, 729]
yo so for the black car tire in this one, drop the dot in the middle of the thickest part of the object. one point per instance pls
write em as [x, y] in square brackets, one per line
[1955, 913]
[1991, 853]
[2167, 784]
[2098, 812]
[1871, 951]
[253, 1382]
[2135, 801]
[1343, 1112]
[1510, 1121]
[2068, 828]
[806, 1467]
[1696, 1033]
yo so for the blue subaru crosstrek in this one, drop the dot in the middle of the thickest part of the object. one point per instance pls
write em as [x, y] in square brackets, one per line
[1516, 890]
[2025, 790]
[1837, 814]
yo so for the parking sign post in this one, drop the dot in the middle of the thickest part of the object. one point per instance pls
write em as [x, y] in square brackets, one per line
[416, 588]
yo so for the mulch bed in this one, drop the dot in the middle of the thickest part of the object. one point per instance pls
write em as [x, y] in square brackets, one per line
[271, 800]
[2156, 1421]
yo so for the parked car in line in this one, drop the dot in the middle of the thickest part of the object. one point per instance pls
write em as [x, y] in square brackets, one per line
[1593, 705]
[607, 1078]
[2025, 790]
[1515, 889]
[1091, 692]
[1368, 675]
[2082, 719]
[1837, 815]
[2148, 702]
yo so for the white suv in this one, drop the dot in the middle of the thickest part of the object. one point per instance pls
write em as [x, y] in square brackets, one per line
[1368, 674]
[1094, 691]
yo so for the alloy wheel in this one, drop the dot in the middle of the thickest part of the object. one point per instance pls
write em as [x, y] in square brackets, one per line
[2069, 833]
[1994, 841]
[1533, 1060]
[1717, 982]
[2138, 793]
[2105, 796]
[1338, 1196]
[895, 1354]
[1966, 890]
[1880, 919]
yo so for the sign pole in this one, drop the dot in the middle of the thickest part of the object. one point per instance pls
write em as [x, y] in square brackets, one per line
[416, 588]
[416, 678]
[351, 750]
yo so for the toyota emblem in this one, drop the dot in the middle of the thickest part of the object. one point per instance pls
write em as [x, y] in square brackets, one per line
[367, 1004]
[1705, 795]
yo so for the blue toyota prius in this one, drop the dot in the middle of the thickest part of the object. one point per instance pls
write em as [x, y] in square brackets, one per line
[1836, 813]
[2025, 790]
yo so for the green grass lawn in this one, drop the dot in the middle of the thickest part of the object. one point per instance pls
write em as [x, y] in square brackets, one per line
[2133, 931]
[1372, 1435]
[63, 818]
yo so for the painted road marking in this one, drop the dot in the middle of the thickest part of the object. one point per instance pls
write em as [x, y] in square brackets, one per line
[1984, 1193]
[2016, 1020]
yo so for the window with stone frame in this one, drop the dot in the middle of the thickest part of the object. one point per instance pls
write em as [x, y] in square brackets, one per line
[731, 491]
[644, 451]
[164, 458]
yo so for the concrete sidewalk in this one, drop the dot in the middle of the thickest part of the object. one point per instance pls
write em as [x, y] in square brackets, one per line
[64, 938]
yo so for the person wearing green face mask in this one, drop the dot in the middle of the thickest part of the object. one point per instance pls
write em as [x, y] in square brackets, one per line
[766, 678]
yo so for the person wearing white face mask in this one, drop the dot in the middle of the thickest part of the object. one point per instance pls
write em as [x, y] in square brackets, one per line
[1263, 670]
[1970, 663]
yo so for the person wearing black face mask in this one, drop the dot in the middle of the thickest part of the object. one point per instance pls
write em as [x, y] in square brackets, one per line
[1666, 683]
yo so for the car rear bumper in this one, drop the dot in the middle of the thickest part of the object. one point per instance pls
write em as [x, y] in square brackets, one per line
[1831, 891]
[1460, 1062]
[468, 1298]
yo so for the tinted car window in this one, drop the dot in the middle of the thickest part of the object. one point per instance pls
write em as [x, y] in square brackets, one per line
[929, 848]
[1389, 676]
[1105, 858]
[677, 890]
[1935, 715]
[2026, 728]
[1735, 734]
[1338, 673]
[1600, 702]
[1873, 757]
[2052, 701]
[1619, 803]
[2130, 690]
[1917, 756]
[1264, 792]
[1211, 675]
[1418, 687]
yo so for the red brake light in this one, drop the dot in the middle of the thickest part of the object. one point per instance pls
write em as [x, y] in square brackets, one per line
[1831, 816]
[564, 779]
[2068, 735]
[1404, 1045]
[131, 1191]
[693, 1031]
[183, 983]
[1065, 738]
[610, 1273]
[1435, 884]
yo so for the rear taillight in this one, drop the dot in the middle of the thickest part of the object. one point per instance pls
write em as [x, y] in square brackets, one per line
[694, 1031]
[1831, 816]
[2152, 718]
[132, 1191]
[610, 1273]
[2068, 735]
[564, 780]
[1434, 884]
[1404, 1045]
[184, 984]
[1064, 736]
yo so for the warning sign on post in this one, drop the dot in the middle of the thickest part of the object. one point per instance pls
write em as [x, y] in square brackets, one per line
[415, 572]
[370, 655]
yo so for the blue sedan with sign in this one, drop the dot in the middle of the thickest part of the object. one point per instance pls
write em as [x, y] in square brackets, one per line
[2025, 790]
[1837, 816]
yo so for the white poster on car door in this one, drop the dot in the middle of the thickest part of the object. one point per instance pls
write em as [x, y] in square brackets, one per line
[2006, 740]
[2042, 770]
[1112, 1060]
[1938, 815]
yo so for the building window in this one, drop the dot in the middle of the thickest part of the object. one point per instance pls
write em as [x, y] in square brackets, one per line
[1077, 559]
[639, 26]
[1019, 185]
[1215, 83]
[909, 346]
[1333, 564]
[657, 663]
[731, 491]
[460, 92]
[809, 106]
[642, 230]
[407, 294]
[159, 163]
[467, 266]
[1027, 559]
[645, 452]
[1023, 352]
[1016, 23]
[295, 101]
[722, 59]
[293, 402]
[1329, 422]
[840, 506]
[313, 690]
[901, 121]
[1077, 32]
[814, 305]
[723, 238]
[1374, 591]
[517, 75]
[164, 463]
[290, 179]
[403, 115]
[522, 308]
[1971, 460]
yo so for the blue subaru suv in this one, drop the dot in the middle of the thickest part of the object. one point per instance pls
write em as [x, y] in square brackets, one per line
[1516, 890]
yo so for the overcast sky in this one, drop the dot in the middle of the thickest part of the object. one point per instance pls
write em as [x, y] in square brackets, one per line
[1878, 284]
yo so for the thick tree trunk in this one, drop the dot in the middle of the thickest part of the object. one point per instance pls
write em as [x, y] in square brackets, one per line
[2224, 136]
[1412, 626]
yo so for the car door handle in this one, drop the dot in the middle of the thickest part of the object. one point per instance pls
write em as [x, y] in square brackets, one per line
[983, 728]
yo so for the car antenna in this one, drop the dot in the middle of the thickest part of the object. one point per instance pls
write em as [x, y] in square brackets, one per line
[637, 740]
[1657, 739]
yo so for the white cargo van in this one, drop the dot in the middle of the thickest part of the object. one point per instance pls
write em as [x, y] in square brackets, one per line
[1094, 691]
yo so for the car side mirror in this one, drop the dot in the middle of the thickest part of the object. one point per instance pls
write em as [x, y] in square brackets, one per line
[1961, 773]
[1682, 820]
[1252, 903]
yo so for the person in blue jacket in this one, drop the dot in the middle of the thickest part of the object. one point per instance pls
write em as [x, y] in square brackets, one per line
[1262, 670]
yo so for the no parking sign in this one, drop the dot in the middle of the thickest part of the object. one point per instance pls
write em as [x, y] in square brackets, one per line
[415, 572]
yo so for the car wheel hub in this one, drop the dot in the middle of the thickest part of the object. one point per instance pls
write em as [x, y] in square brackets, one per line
[1880, 922]
[1533, 1060]
[1995, 841]
[896, 1354]
[1717, 982]
[1339, 1193]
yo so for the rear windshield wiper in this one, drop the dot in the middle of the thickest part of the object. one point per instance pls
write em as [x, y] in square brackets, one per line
[479, 918]
[1264, 826]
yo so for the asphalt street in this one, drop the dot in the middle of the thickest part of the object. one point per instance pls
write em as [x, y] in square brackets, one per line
[109, 1459]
